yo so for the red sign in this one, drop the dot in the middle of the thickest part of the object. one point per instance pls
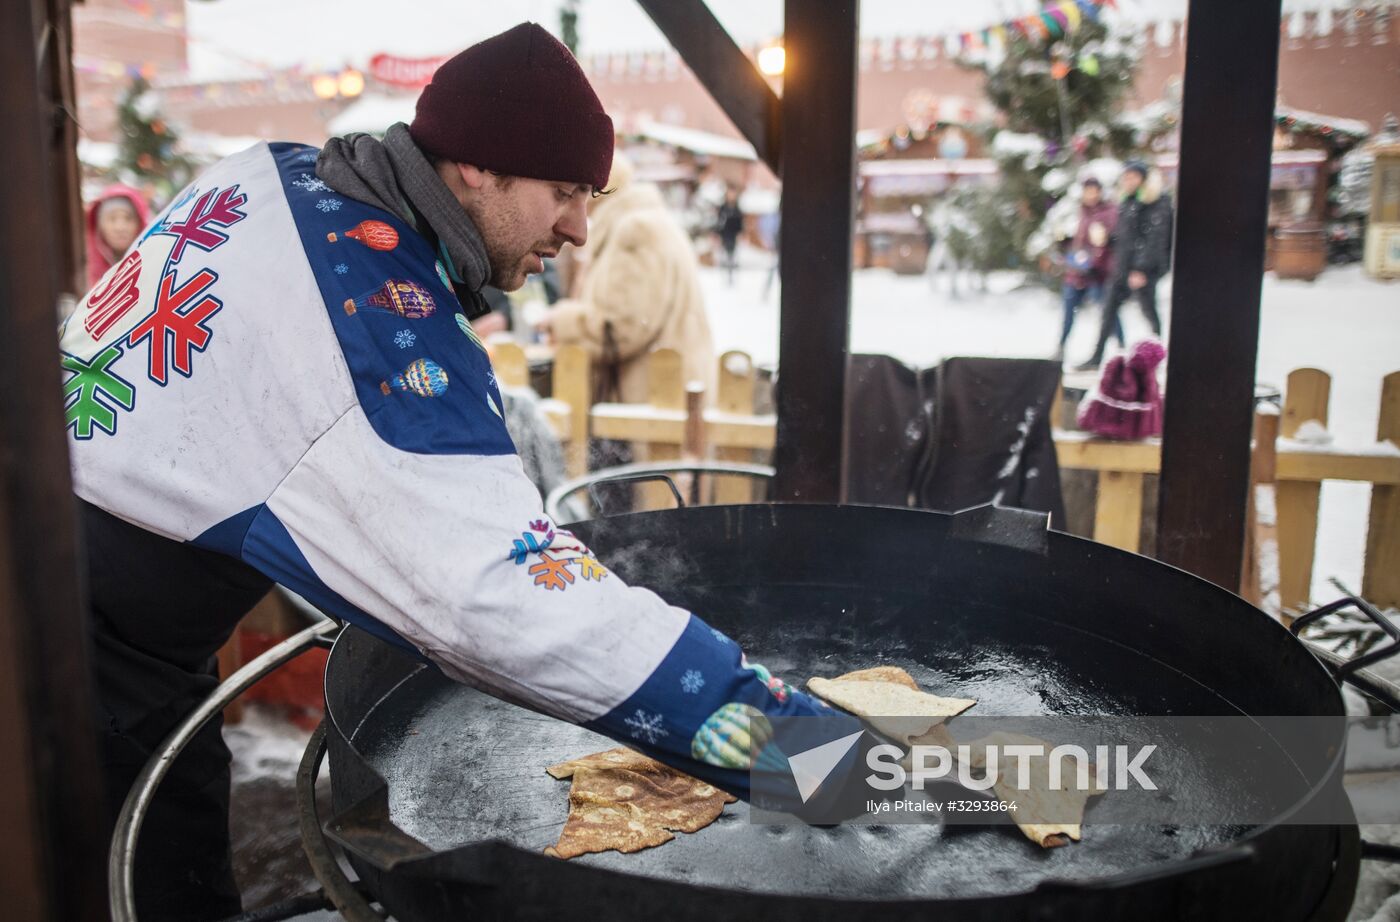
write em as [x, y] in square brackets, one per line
[411, 72]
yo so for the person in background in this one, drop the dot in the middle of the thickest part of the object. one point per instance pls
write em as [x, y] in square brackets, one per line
[1088, 259]
[729, 224]
[770, 228]
[114, 219]
[1142, 251]
[640, 292]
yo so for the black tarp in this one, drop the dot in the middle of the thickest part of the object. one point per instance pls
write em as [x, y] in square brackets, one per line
[966, 432]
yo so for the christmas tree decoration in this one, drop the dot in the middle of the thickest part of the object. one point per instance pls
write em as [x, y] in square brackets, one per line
[409, 300]
[374, 234]
[424, 377]
[147, 150]
[1051, 116]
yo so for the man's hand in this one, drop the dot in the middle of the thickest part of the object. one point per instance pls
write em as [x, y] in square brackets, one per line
[1136, 280]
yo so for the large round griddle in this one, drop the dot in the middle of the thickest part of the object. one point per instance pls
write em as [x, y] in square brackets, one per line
[981, 606]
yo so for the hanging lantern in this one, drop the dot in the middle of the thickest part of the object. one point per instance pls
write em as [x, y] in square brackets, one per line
[424, 377]
[374, 234]
[409, 300]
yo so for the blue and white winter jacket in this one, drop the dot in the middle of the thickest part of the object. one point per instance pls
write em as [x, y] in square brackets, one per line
[282, 374]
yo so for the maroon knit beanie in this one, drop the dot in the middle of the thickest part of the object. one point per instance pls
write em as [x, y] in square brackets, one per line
[519, 104]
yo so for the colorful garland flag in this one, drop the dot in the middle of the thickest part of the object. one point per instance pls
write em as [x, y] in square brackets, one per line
[1058, 19]
[1073, 18]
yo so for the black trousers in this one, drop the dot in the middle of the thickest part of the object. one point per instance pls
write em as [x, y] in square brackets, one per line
[1118, 293]
[159, 612]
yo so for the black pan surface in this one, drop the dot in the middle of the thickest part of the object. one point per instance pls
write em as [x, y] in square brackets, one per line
[1026, 633]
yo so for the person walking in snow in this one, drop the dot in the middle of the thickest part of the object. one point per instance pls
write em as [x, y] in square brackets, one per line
[729, 224]
[1088, 259]
[1142, 247]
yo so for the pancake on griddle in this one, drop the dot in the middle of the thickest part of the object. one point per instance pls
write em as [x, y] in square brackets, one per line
[893, 708]
[625, 801]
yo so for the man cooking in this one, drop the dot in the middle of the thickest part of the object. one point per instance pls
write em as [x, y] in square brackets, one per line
[279, 383]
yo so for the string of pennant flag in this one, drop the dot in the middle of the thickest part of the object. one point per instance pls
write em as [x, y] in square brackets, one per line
[1055, 21]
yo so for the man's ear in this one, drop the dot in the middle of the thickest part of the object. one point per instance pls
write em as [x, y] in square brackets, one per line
[474, 178]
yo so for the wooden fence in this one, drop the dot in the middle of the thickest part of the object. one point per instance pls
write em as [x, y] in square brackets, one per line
[728, 429]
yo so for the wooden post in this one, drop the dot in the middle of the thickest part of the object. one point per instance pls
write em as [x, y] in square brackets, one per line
[694, 448]
[818, 209]
[573, 387]
[1380, 583]
[1118, 512]
[736, 393]
[52, 816]
[1257, 576]
[1305, 397]
[508, 361]
[665, 391]
[1228, 95]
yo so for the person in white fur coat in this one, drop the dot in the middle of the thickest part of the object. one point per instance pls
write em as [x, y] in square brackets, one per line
[638, 291]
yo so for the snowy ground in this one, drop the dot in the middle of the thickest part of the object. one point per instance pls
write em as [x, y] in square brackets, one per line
[1344, 323]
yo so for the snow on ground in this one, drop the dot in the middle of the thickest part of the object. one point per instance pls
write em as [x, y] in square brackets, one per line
[1345, 323]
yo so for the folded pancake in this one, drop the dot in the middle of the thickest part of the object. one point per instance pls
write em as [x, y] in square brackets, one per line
[1046, 817]
[620, 757]
[881, 674]
[625, 801]
[893, 708]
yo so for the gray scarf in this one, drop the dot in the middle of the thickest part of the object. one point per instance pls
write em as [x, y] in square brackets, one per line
[394, 175]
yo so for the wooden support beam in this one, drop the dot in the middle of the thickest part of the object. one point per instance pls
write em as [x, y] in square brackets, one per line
[1259, 573]
[511, 367]
[1220, 226]
[1305, 397]
[723, 70]
[1380, 582]
[818, 126]
[1118, 512]
[735, 396]
[665, 391]
[572, 385]
[52, 835]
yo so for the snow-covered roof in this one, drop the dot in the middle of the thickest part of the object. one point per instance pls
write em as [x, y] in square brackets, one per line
[1349, 126]
[919, 177]
[696, 141]
[924, 167]
[373, 113]
[101, 155]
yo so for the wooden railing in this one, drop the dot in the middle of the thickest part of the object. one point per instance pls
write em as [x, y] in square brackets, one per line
[729, 430]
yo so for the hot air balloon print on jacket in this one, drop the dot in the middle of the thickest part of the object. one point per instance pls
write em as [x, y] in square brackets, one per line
[424, 377]
[409, 300]
[374, 234]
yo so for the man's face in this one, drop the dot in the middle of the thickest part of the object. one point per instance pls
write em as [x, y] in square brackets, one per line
[1130, 182]
[524, 221]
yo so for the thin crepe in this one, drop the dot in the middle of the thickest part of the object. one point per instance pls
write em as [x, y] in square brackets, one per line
[1033, 806]
[625, 801]
[893, 708]
[1037, 804]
